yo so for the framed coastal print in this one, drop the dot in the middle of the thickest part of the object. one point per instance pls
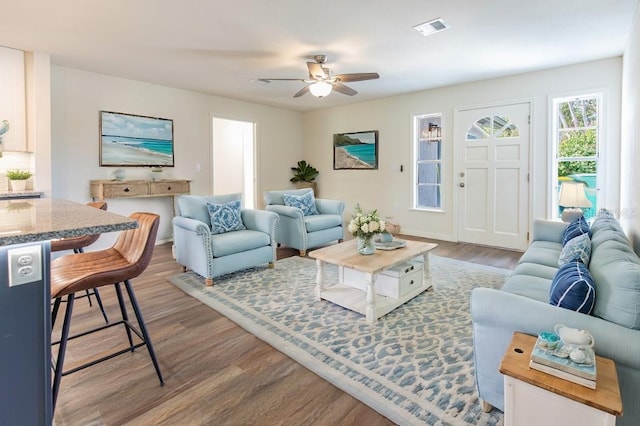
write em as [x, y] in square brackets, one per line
[357, 150]
[135, 140]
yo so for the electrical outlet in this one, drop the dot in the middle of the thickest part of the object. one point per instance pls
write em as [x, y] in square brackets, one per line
[25, 265]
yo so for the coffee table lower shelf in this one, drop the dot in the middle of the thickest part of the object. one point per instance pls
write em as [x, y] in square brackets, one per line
[355, 300]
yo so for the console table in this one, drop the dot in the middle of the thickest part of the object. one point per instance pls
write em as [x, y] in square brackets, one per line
[102, 189]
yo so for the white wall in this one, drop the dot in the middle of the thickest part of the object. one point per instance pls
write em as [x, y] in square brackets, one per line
[630, 123]
[78, 96]
[390, 191]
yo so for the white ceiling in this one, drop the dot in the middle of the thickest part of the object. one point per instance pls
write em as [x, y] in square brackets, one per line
[218, 47]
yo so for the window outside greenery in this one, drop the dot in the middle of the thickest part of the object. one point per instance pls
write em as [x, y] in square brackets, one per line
[576, 141]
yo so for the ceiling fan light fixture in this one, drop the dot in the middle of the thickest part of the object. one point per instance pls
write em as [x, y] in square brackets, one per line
[320, 89]
[321, 80]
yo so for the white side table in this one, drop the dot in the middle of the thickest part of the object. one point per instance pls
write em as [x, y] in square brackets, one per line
[532, 397]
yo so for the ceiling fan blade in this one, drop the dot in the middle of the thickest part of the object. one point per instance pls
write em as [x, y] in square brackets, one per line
[302, 91]
[338, 87]
[359, 76]
[269, 80]
[316, 70]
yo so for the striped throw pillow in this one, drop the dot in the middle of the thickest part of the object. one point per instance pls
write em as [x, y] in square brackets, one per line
[573, 288]
[576, 228]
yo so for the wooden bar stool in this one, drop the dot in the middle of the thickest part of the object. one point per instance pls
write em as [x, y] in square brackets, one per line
[128, 258]
[77, 244]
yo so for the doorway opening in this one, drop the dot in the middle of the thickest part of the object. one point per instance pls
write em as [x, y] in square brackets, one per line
[233, 163]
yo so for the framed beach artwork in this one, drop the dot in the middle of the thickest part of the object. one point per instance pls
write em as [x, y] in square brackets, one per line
[357, 150]
[135, 140]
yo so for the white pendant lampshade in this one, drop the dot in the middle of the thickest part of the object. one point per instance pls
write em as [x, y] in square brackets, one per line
[320, 89]
[573, 198]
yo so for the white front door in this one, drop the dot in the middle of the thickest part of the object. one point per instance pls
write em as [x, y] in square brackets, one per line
[492, 176]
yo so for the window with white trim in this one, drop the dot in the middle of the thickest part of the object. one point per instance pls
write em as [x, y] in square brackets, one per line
[576, 143]
[427, 172]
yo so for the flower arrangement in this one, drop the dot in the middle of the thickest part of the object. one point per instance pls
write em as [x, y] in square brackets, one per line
[365, 225]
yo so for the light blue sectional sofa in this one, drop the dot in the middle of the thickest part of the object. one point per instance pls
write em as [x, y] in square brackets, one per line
[523, 305]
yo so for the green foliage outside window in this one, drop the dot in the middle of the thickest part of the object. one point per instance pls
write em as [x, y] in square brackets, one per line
[578, 143]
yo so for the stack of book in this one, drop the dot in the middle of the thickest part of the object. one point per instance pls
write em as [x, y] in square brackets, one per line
[557, 362]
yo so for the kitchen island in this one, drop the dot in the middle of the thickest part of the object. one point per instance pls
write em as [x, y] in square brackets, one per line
[26, 228]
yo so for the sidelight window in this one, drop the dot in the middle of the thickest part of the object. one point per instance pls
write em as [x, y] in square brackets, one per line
[428, 187]
[576, 142]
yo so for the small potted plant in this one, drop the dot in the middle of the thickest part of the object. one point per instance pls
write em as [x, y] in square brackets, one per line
[304, 176]
[18, 179]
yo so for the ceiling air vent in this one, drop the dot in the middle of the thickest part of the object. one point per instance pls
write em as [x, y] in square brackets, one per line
[432, 27]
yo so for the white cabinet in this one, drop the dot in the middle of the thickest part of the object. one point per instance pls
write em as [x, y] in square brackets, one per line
[12, 99]
[533, 398]
[528, 405]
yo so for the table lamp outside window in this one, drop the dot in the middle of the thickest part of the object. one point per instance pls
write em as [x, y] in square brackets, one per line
[573, 198]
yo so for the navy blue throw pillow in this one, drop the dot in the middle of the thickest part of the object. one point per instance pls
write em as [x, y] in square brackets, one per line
[573, 288]
[576, 228]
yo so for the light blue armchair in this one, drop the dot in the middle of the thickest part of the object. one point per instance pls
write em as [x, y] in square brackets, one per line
[211, 255]
[302, 232]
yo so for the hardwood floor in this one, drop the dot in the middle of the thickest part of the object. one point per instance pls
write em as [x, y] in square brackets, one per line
[214, 371]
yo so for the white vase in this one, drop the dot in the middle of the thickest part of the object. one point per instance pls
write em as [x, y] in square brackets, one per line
[119, 174]
[18, 185]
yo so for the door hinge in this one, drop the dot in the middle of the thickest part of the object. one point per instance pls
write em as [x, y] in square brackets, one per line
[528, 237]
[528, 176]
[529, 119]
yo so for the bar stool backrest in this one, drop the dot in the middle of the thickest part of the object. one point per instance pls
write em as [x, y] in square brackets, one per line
[136, 245]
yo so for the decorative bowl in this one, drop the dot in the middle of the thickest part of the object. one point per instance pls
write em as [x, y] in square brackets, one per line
[548, 340]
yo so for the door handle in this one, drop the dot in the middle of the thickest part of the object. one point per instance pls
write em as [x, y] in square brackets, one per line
[461, 184]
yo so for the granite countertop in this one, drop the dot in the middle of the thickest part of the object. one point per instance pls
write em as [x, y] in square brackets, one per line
[20, 194]
[41, 219]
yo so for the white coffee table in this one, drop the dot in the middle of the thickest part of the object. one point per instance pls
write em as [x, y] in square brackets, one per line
[367, 302]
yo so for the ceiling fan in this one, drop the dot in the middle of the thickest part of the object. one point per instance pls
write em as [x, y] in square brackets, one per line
[321, 80]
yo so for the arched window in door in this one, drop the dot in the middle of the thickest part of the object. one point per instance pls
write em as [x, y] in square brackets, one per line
[495, 126]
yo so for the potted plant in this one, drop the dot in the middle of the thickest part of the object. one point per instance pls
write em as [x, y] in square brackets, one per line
[18, 179]
[304, 176]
